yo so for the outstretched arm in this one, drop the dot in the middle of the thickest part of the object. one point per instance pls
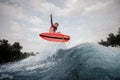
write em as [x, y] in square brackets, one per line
[51, 19]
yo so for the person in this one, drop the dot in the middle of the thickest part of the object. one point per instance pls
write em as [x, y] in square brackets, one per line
[54, 26]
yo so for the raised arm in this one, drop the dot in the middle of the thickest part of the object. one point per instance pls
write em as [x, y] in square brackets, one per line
[51, 19]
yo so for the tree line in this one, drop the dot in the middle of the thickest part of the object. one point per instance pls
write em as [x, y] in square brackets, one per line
[10, 53]
[112, 40]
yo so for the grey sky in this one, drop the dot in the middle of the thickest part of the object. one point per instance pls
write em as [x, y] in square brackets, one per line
[84, 20]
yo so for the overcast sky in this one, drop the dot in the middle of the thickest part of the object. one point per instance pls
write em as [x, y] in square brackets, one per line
[84, 20]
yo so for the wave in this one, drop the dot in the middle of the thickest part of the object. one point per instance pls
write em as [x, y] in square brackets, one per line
[83, 62]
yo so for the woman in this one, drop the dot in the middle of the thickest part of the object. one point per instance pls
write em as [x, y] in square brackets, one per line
[53, 27]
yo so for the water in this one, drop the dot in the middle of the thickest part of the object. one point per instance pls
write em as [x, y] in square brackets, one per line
[83, 62]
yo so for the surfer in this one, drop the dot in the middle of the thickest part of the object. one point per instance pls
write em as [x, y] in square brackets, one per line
[54, 26]
[54, 36]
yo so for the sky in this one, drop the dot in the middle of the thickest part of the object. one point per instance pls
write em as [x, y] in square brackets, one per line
[84, 20]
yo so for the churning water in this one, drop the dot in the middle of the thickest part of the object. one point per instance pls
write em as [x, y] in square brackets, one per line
[82, 62]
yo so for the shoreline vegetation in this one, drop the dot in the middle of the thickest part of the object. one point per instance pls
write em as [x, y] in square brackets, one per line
[12, 52]
[112, 40]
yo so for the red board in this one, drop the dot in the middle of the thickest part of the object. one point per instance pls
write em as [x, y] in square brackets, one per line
[55, 37]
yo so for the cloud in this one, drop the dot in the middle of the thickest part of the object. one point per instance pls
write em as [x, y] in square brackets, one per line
[77, 8]
[91, 20]
[11, 11]
[8, 25]
[36, 20]
[43, 6]
[28, 37]
[17, 25]
[74, 8]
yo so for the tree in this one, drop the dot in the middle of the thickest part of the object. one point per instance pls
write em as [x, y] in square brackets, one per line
[4, 50]
[118, 37]
[112, 40]
[9, 53]
[16, 46]
[103, 43]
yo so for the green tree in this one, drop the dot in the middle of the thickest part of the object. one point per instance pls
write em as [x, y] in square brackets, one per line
[4, 50]
[16, 50]
[118, 37]
[16, 46]
[10, 52]
[112, 40]
[103, 43]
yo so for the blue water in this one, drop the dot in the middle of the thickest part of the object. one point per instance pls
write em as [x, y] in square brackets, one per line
[82, 62]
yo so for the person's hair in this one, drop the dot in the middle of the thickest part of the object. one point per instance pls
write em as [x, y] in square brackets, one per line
[57, 23]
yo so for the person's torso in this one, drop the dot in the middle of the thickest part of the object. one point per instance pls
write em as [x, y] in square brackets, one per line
[54, 28]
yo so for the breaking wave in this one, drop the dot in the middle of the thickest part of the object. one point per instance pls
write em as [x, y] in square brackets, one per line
[83, 62]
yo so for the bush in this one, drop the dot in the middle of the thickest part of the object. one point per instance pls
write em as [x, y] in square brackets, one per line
[9, 53]
[112, 40]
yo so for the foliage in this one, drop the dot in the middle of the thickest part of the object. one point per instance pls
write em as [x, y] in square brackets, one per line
[9, 53]
[112, 40]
